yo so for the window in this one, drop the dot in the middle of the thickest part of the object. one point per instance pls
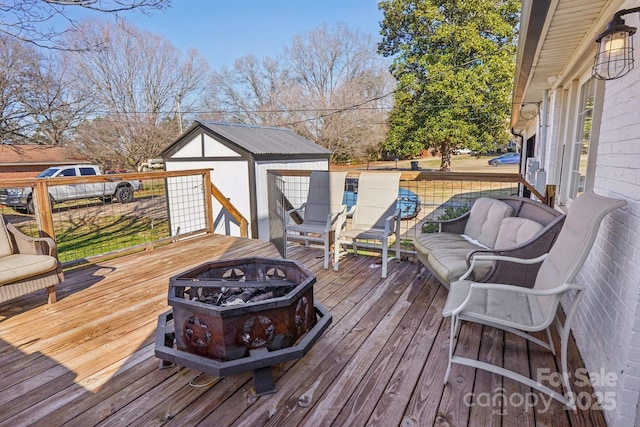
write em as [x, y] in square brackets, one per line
[583, 139]
[68, 172]
[87, 171]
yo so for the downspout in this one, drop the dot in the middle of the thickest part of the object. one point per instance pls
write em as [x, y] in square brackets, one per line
[542, 131]
[521, 189]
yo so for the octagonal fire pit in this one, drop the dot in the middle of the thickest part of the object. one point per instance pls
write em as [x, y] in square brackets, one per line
[238, 315]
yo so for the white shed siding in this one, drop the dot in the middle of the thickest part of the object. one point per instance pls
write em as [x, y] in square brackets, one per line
[262, 202]
[232, 179]
[192, 148]
[213, 148]
[608, 331]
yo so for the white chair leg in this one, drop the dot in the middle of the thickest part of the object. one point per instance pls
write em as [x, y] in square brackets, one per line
[452, 337]
[397, 244]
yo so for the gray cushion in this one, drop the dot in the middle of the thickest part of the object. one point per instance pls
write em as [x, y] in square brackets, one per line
[427, 243]
[5, 243]
[485, 218]
[514, 231]
[450, 264]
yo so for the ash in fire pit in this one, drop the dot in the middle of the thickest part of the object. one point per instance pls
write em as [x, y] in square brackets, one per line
[224, 296]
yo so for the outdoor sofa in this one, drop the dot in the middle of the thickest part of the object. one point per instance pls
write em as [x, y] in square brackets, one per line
[510, 226]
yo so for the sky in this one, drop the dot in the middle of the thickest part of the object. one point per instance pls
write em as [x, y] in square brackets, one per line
[225, 30]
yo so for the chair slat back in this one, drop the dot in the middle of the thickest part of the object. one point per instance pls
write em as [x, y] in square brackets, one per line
[325, 195]
[377, 199]
[574, 243]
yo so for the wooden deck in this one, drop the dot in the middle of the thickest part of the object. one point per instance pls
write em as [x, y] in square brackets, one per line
[89, 358]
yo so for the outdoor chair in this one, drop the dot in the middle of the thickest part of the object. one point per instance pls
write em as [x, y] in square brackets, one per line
[27, 264]
[323, 214]
[521, 310]
[375, 215]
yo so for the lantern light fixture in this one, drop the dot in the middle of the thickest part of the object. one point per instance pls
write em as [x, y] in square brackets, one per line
[614, 55]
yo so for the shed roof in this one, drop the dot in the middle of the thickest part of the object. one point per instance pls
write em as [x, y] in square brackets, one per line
[259, 140]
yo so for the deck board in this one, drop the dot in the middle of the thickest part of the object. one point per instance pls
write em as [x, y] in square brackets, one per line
[89, 358]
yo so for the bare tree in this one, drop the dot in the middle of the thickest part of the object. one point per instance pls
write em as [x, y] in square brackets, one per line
[250, 92]
[137, 79]
[340, 98]
[329, 86]
[32, 21]
[55, 104]
[17, 62]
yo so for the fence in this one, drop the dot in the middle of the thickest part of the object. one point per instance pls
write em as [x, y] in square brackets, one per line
[166, 206]
[423, 196]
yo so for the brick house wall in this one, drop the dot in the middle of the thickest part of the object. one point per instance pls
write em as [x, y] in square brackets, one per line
[608, 323]
[27, 161]
[20, 171]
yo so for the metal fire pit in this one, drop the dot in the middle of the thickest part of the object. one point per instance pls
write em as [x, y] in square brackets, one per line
[239, 315]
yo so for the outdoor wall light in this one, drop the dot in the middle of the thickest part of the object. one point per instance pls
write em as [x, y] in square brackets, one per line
[614, 57]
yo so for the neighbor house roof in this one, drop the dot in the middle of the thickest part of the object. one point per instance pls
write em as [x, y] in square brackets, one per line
[11, 155]
[257, 140]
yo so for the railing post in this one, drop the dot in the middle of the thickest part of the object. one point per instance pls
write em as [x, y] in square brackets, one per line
[550, 195]
[207, 201]
[42, 209]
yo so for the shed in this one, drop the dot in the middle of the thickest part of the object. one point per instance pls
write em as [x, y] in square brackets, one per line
[239, 157]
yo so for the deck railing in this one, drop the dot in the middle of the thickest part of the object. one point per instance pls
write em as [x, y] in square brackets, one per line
[439, 193]
[168, 206]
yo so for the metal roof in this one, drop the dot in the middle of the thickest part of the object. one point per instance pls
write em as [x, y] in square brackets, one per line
[262, 140]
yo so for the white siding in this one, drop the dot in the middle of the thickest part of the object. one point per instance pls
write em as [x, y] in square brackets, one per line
[213, 148]
[232, 179]
[192, 148]
[262, 202]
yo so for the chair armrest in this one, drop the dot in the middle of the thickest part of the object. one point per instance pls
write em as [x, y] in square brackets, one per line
[475, 286]
[33, 245]
[300, 209]
[338, 219]
[390, 220]
[487, 256]
[294, 214]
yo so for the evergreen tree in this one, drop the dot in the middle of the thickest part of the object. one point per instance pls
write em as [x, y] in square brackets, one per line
[454, 65]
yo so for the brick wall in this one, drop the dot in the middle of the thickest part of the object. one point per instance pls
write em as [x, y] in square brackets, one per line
[607, 327]
[8, 172]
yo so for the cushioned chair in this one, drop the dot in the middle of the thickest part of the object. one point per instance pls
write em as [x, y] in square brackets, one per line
[27, 264]
[375, 214]
[323, 214]
[521, 310]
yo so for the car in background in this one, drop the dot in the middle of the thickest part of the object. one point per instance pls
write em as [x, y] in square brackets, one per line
[459, 151]
[505, 159]
[408, 202]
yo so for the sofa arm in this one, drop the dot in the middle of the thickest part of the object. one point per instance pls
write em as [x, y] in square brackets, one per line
[32, 245]
[455, 225]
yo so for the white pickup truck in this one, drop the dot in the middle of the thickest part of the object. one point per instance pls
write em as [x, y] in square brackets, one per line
[21, 198]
